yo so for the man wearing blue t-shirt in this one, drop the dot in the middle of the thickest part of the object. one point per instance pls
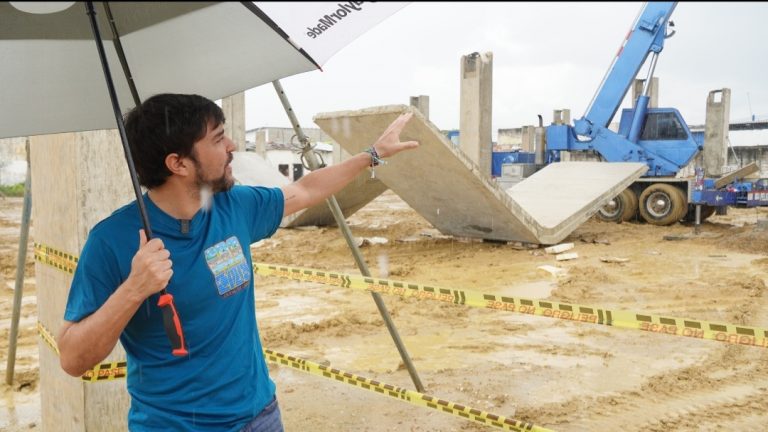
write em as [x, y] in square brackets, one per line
[203, 227]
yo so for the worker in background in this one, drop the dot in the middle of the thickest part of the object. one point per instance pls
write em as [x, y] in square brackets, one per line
[203, 227]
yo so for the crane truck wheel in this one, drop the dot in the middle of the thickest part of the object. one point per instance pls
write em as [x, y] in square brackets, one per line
[630, 210]
[662, 204]
[620, 208]
[612, 210]
[683, 209]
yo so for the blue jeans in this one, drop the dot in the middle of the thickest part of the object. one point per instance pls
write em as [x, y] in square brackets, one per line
[268, 420]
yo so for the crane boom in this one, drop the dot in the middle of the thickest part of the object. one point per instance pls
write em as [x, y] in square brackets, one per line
[646, 37]
[658, 137]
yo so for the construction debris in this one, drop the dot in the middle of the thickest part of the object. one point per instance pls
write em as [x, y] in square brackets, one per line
[554, 271]
[366, 241]
[559, 248]
[566, 256]
[614, 260]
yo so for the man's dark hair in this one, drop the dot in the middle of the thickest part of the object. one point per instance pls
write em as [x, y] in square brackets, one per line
[165, 124]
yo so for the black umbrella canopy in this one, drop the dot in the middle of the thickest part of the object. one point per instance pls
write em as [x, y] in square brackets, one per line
[51, 79]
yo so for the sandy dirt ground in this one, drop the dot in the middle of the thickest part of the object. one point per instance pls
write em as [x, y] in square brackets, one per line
[558, 374]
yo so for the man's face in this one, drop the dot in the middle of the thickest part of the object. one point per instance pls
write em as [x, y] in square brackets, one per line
[211, 157]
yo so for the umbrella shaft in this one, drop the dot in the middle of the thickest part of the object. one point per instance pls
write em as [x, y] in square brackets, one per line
[171, 321]
[118, 118]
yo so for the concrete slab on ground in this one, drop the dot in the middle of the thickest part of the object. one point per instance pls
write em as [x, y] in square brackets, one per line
[251, 169]
[443, 185]
[562, 196]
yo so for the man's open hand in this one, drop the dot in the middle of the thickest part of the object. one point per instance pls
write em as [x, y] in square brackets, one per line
[389, 143]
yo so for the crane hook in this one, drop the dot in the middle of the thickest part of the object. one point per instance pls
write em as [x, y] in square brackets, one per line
[672, 33]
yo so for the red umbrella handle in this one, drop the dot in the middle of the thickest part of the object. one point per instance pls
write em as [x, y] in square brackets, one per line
[172, 324]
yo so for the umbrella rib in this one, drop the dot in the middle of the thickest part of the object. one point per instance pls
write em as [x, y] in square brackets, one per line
[121, 55]
[267, 20]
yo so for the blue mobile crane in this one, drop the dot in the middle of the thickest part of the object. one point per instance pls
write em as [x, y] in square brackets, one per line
[658, 137]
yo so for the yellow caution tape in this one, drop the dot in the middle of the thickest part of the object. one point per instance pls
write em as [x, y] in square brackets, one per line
[55, 258]
[113, 370]
[697, 329]
[410, 396]
[101, 372]
[106, 372]
[691, 328]
[720, 332]
[47, 337]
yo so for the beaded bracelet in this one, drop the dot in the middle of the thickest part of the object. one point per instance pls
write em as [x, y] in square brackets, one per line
[376, 160]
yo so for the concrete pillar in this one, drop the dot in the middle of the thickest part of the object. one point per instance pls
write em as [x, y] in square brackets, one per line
[261, 139]
[528, 139]
[561, 117]
[475, 109]
[234, 111]
[13, 157]
[77, 179]
[637, 90]
[540, 144]
[421, 102]
[716, 132]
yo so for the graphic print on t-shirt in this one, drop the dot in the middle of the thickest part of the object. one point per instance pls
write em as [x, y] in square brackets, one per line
[229, 267]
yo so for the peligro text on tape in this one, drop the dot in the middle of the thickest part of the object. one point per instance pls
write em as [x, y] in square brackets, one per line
[106, 372]
[720, 332]
[114, 370]
[410, 396]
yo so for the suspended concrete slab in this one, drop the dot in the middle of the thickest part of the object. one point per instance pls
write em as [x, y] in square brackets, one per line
[444, 186]
[251, 169]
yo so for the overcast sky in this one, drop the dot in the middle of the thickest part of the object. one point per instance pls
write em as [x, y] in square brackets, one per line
[545, 56]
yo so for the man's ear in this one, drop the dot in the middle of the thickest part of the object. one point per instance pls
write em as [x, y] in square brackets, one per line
[178, 165]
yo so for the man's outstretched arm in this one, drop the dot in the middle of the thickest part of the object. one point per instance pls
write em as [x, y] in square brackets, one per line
[319, 185]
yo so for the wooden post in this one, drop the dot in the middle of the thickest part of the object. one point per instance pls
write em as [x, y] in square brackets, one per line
[77, 180]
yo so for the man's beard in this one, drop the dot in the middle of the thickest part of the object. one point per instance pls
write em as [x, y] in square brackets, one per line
[219, 184]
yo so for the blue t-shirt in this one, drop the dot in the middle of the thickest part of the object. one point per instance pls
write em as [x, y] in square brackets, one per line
[224, 381]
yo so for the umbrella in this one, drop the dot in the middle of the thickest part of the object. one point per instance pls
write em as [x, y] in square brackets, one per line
[51, 80]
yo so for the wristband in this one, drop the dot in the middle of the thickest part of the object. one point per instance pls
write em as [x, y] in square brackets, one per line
[376, 160]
